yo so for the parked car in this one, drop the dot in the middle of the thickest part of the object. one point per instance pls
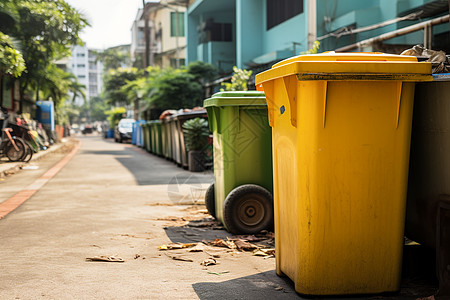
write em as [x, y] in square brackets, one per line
[87, 129]
[123, 130]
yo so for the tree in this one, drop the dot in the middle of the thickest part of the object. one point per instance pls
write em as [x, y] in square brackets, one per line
[174, 89]
[113, 58]
[113, 82]
[11, 60]
[203, 72]
[47, 30]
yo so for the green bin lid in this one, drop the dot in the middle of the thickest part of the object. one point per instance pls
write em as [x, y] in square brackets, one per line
[236, 98]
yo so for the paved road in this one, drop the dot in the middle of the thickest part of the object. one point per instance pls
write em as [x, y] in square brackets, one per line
[116, 199]
[107, 201]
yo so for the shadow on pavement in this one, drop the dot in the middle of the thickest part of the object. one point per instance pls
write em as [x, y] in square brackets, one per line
[149, 169]
[186, 234]
[266, 285]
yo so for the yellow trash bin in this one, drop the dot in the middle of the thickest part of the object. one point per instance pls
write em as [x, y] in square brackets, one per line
[341, 134]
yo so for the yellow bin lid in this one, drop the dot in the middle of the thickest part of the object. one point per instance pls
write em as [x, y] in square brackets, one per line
[349, 66]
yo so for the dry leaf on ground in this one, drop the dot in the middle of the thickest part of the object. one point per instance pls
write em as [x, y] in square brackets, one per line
[175, 246]
[179, 257]
[209, 262]
[104, 258]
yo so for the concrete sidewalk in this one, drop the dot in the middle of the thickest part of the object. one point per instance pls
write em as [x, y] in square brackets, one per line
[118, 200]
[7, 166]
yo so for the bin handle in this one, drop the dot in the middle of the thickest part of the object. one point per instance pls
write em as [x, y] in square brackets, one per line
[290, 85]
[267, 86]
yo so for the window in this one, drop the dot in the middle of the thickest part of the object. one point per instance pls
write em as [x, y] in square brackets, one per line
[279, 11]
[81, 66]
[81, 76]
[211, 31]
[80, 54]
[173, 62]
[177, 24]
[140, 37]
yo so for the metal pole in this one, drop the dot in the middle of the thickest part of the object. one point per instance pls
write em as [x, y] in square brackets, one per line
[395, 33]
[176, 39]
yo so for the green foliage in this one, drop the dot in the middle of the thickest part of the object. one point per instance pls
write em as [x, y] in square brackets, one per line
[239, 80]
[11, 60]
[65, 113]
[195, 133]
[113, 83]
[313, 50]
[113, 58]
[114, 116]
[202, 71]
[173, 89]
[97, 108]
[46, 30]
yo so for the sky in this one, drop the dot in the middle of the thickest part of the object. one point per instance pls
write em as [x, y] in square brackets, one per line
[110, 20]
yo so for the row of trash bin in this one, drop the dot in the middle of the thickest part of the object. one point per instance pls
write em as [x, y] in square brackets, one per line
[329, 137]
[165, 137]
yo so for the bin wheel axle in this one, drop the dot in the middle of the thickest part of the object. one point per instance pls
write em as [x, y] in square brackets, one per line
[248, 209]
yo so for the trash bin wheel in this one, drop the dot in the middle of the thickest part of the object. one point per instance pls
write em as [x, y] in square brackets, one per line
[210, 200]
[248, 209]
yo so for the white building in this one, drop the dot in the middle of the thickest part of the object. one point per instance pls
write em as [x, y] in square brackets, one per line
[87, 70]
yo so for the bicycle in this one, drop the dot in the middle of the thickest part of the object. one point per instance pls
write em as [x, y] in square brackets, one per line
[14, 148]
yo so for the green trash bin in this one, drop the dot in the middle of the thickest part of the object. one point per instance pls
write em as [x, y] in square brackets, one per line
[152, 136]
[241, 197]
[175, 154]
[146, 133]
[157, 138]
[166, 141]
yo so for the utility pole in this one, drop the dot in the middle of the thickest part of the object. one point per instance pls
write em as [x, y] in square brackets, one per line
[146, 36]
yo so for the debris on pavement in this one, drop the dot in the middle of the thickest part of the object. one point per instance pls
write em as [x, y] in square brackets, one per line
[209, 262]
[243, 245]
[176, 246]
[30, 167]
[222, 243]
[264, 252]
[179, 257]
[159, 204]
[171, 218]
[219, 273]
[200, 247]
[103, 258]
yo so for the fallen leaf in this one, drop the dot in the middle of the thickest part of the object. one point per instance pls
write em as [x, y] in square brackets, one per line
[219, 273]
[264, 252]
[209, 262]
[180, 258]
[245, 246]
[200, 247]
[222, 243]
[176, 246]
[104, 258]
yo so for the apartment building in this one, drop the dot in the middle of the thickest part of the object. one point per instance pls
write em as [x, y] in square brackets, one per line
[256, 33]
[88, 71]
[165, 35]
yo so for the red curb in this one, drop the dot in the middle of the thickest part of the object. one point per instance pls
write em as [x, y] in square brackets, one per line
[15, 201]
